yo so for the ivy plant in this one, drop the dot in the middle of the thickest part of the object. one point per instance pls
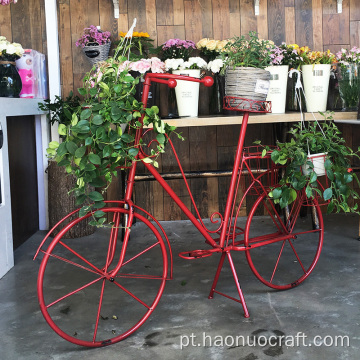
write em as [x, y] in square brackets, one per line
[100, 135]
[316, 138]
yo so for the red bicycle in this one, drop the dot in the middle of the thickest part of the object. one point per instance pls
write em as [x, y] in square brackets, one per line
[124, 277]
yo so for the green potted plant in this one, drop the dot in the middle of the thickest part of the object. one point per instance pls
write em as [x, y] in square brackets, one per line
[301, 173]
[94, 142]
[246, 60]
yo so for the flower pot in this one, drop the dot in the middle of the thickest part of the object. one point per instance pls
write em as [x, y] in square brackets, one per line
[10, 80]
[316, 85]
[187, 93]
[319, 164]
[277, 90]
[349, 85]
[247, 82]
[96, 53]
[217, 95]
[292, 103]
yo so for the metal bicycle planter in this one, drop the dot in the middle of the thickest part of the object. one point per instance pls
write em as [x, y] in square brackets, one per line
[124, 277]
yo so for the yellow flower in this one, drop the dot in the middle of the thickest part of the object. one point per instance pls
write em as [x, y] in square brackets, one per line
[221, 44]
[293, 46]
[304, 49]
[135, 34]
[211, 45]
[202, 43]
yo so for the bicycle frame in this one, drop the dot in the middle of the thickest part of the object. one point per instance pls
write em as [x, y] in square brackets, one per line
[171, 81]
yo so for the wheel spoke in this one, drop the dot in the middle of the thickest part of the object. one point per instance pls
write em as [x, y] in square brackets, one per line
[99, 310]
[74, 292]
[131, 294]
[277, 261]
[140, 253]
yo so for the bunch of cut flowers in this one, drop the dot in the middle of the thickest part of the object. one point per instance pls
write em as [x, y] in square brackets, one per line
[140, 44]
[176, 49]
[346, 57]
[181, 64]
[10, 51]
[211, 48]
[93, 36]
[7, 2]
[315, 57]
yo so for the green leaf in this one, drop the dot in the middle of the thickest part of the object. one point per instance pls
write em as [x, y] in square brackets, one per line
[328, 164]
[93, 91]
[88, 141]
[97, 119]
[74, 119]
[313, 177]
[107, 151]
[85, 114]
[99, 214]
[330, 207]
[82, 91]
[330, 175]
[275, 156]
[96, 196]
[89, 167]
[292, 196]
[80, 199]
[160, 138]
[95, 159]
[328, 194]
[308, 191]
[71, 147]
[53, 145]
[348, 178]
[263, 153]
[276, 193]
[62, 129]
[133, 152]
[80, 152]
[127, 138]
[97, 182]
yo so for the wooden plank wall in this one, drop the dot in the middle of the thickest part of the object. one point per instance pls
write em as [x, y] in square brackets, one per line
[24, 23]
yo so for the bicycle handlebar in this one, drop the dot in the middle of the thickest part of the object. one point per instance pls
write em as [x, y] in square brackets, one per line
[170, 79]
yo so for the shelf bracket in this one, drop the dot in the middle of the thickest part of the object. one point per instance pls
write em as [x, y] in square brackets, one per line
[257, 7]
[339, 6]
[116, 8]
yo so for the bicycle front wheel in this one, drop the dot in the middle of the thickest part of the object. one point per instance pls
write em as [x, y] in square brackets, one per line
[283, 248]
[83, 299]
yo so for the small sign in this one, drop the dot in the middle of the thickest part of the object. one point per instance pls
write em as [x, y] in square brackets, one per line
[262, 86]
[274, 76]
[318, 73]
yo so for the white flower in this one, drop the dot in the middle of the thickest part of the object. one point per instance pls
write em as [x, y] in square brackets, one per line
[194, 63]
[173, 64]
[215, 65]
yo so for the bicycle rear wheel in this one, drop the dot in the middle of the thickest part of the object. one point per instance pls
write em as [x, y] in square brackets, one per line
[283, 250]
[80, 296]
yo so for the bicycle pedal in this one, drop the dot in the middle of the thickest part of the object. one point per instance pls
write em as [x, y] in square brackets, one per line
[196, 254]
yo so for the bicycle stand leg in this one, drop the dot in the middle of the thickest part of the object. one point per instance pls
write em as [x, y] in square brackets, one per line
[213, 287]
[237, 283]
[221, 262]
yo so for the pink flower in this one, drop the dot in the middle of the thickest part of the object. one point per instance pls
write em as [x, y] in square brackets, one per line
[142, 66]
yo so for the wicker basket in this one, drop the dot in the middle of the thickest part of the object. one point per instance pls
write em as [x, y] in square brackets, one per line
[247, 82]
[96, 53]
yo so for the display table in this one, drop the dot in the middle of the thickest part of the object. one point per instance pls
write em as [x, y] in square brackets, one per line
[346, 117]
[20, 107]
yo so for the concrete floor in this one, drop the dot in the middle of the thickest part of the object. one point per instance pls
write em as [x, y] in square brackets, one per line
[325, 305]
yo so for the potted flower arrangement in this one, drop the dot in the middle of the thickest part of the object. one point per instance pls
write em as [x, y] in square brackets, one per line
[210, 50]
[315, 69]
[300, 168]
[282, 57]
[10, 80]
[246, 60]
[94, 143]
[348, 75]
[187, 93]
[95, 44]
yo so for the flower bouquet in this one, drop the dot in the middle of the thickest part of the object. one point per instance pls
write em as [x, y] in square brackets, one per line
[10, 81]
[348, 76]
[8, 2]
[211, 48]
[140, 44]
[187, 93]
[316, 76]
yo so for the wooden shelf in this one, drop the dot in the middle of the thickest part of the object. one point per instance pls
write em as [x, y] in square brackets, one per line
[254, 118]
